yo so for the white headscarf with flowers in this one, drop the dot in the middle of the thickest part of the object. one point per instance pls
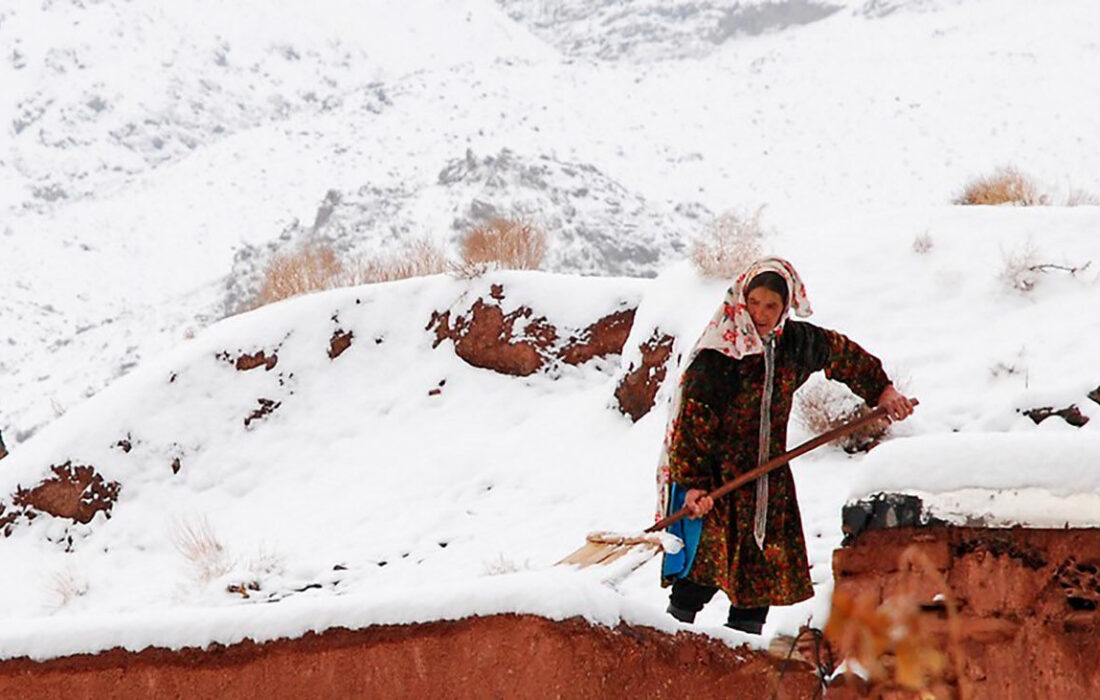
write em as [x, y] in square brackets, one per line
[732, 333]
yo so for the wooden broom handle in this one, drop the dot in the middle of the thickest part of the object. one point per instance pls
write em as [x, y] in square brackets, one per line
[776, 462]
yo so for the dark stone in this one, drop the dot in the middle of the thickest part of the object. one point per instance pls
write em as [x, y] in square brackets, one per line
[883, 511]
[1070, 414]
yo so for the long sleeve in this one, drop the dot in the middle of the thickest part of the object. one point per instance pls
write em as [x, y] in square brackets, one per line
[849, 363]
[692, 453]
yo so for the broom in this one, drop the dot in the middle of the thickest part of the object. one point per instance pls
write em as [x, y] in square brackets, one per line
[603, 548]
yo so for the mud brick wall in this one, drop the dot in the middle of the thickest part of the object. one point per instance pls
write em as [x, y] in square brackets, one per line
[1028, 602]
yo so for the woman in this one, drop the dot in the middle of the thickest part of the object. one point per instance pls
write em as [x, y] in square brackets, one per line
[729, 416]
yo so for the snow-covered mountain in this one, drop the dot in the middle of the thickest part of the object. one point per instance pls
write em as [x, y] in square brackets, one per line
[152, 154]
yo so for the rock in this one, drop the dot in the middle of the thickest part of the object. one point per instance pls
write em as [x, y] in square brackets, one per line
[637, 390]
[75, 492]
[520, 343]
[1070, 414]
[340, 341]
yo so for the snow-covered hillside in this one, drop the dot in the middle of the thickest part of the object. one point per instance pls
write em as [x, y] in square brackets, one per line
[392, 482]
[152, 154]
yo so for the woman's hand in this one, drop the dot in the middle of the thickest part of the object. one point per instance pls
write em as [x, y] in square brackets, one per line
[697, 502]
[897, 406]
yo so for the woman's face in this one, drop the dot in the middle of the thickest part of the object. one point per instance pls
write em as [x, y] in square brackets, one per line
[765, 308]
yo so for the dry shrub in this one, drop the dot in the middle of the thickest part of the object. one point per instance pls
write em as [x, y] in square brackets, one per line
[891, 641]
[506, 244]
[1019, 267]
[199, 545]
[312, 267]
[922, 243]
[1022, 269]
[1081, 198]
[66, 585]
[419, 259]
[1007, 185]
[315, 266]
[824, 405]
[728, 245]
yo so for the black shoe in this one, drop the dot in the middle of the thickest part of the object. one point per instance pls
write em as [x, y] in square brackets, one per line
[681, 614]
[746, 626]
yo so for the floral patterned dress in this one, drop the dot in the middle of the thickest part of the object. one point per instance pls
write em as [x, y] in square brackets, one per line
[716, 438]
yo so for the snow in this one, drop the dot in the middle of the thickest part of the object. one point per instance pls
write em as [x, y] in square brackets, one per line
[364, 499]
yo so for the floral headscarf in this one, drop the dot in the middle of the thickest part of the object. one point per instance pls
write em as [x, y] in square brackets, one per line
[731, 332]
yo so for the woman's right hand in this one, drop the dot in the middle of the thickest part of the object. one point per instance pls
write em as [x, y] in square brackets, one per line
[698, 503]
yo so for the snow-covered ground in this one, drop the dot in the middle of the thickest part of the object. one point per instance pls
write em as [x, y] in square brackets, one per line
[152, 155]
[364, 497]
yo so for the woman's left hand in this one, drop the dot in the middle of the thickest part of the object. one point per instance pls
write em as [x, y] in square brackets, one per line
[897, 405]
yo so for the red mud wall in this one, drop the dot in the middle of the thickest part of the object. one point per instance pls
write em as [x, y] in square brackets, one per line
[503, 656]
[1028, 601]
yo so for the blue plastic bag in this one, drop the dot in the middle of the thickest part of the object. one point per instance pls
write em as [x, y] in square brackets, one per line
[688, 530]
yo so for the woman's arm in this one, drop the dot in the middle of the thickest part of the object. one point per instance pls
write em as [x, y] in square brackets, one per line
[849, 363]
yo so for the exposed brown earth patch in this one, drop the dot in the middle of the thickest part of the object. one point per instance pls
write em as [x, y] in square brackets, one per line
[245, 362]
[74, 492]
[603, 338]
[1027, 600]
[3, 448]
[504, 656]
[267, 407]
[637, 390]
[340, 341]
[1094, 394]
[1070, 414]
[520, 342]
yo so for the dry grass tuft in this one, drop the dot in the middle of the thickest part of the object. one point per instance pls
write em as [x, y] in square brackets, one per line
[506, 244]
[311, 267]
[728, 245]
[923, 243]
[1081, 198]
[1019, 267]
[315, 266]
[824, 404]
[501, 566]
[1007, 185]
[66, 585]
[419, 259]
[199, 545]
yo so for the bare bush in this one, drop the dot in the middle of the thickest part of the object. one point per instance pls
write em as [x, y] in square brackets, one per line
[1007, 185]
[507, 244]
[922, 243]
[199, 545]
[311, 267]
[1018, 267]
[1081, 198]
[728, 245]
[419, 259]
[315, 266]
[823, 405]
[1022, 269]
